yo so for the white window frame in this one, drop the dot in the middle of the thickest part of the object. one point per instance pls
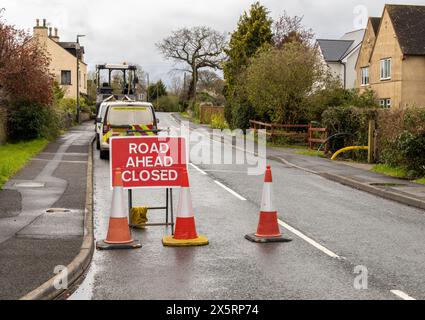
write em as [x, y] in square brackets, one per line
[385, 103]
[365, 78]
[385, 69]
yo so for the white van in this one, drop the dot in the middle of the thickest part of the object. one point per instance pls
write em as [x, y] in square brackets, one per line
[126, 119]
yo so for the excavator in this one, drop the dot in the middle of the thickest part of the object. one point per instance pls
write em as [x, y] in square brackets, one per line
[104, 79]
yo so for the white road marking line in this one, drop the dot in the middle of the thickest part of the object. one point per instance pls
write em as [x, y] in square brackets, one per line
[309, 240]
[230, 190]
[402, 295]
[198, 169]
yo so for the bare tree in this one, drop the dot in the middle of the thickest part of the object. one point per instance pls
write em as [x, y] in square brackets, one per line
[210, 81]
[198, 48]
[291, 29]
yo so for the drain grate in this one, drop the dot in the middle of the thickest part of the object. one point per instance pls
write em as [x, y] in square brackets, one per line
[58, 210]
[30, 185]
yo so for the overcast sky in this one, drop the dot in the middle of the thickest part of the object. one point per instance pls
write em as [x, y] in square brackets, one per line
[127, 30]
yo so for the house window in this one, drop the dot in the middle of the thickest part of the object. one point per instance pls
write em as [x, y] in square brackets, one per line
[385, 69]
[385, 103]
[66, 78]
[365, 76]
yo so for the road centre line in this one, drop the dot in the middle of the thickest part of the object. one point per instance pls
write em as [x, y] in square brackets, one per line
[283, 224]
[402, 295]
[309, 240]
[318, 246]
[230, 190]
[198, 169]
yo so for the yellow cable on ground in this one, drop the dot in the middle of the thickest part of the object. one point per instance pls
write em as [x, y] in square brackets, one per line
[347, 149]
[139, 217]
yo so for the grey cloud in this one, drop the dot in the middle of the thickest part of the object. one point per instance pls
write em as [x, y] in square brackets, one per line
[127, 30]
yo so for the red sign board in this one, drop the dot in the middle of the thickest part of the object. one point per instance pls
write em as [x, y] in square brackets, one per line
[149, 162]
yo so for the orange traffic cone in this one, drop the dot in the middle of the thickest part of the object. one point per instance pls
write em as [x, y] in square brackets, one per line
[119, 236]
[268, 227]
[185, 231]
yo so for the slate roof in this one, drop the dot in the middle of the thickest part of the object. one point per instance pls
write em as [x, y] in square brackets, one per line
[71, 47]
[409, 25]
[334, 50]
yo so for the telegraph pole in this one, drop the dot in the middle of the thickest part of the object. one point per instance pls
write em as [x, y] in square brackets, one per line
[147, 87]
[77, 53]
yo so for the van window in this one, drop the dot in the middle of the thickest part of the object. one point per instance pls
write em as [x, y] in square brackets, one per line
[103, 111]
[130, 115]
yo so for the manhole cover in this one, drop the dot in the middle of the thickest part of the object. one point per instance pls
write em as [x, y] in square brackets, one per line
[58, 210]
[30, 185]
[387, 184]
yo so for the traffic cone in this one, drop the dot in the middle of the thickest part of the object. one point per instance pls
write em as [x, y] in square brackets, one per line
[119, 236]
[185, 234]
[268, 227]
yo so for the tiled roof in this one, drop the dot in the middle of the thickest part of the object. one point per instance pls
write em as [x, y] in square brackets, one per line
[409, 25]
[375, 24]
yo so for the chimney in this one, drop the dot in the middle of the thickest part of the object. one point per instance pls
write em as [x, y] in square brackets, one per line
[55, 36]
[41, 31]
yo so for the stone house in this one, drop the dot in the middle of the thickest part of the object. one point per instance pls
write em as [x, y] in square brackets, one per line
[63, 57]
[392, 57]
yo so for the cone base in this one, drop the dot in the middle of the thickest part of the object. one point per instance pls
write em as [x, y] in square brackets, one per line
[102, 245]
[169, 241]
[256, 239]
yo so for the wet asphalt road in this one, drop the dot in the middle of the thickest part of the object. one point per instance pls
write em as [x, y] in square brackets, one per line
[360, 229]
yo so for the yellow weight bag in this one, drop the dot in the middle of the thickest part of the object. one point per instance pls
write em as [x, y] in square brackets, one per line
[139, 217]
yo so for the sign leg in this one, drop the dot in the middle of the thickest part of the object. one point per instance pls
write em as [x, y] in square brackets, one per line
[172, 212]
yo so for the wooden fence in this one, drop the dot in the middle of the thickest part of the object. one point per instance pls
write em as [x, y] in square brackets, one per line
[305, 133]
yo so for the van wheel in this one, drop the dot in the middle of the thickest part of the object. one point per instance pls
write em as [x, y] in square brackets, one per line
[104, 154]
[97, 142]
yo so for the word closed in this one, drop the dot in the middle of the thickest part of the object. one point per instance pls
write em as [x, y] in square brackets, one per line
[149, 162]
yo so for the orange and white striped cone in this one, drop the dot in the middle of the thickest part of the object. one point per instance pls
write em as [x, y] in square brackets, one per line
[119, 236]
[268, 227]
[185, 234]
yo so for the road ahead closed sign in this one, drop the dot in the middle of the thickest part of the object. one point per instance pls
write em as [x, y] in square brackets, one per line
[149, 162]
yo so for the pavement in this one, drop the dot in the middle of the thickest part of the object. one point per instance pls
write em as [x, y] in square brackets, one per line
[336, 232]
[33, 241]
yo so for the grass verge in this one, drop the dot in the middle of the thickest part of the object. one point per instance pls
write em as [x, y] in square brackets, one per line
[312, 153]
[394, 172]
[14, 156]
[390, 171]
[420, 181]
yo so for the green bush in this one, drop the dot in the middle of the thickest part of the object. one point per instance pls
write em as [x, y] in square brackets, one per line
[339, 97]
[27, 121]
[407, 151]
[350, 121]
[218, 122]
[168, 103]
[401, 139]
[241, 114]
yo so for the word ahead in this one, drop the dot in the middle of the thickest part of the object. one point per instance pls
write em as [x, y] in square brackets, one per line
[149, 162]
